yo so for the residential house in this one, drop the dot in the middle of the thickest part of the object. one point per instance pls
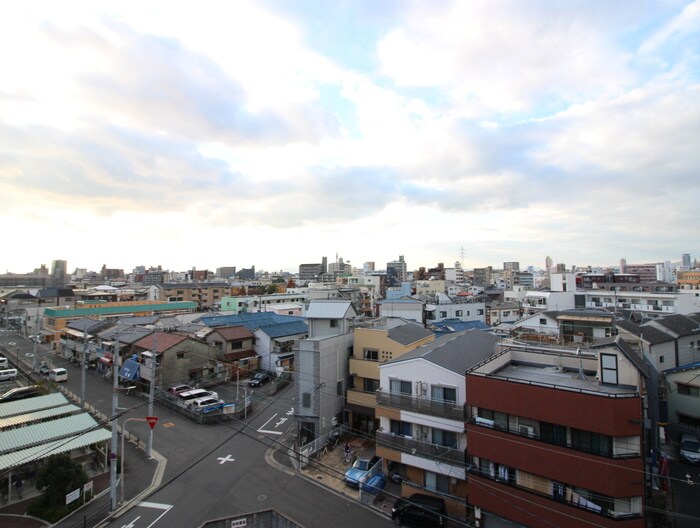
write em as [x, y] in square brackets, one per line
[441, 306]
[376, 341]
[556, 436]
[682, 386]
[321, 368]
[658, 345]
[178, 359]
[568, 326]
[234, 349]
[404, 307]
[421, 411]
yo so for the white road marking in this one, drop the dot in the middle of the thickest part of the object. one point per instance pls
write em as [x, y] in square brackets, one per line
[227, 458]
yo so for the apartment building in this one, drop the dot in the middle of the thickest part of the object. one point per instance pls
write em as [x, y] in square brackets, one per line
[420, 406]
[647, 304]
[377, 341]
[206, 295]
[556, 436]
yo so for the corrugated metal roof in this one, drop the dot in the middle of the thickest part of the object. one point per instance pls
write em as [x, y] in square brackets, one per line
[56, 447]
[330, 310]
[116, 310]
[286, 329]
[408, 333]
[32, 435]
[24, 419]
[37, 403]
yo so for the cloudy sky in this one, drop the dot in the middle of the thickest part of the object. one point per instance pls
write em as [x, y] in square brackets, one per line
[272, 133]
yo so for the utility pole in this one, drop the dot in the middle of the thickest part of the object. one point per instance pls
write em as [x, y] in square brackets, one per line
[115, 425]
[151, 390]
[82, 370]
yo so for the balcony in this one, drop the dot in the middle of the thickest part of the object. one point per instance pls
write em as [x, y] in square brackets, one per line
[364, 368]
[362, 398]
[415, 447]
[430, 407]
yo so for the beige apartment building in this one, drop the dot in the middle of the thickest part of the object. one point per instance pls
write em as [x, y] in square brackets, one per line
[376, 342]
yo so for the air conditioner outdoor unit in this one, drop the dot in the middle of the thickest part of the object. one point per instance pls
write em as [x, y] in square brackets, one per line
[527, 430]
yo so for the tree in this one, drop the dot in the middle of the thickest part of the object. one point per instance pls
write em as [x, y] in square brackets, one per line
[58, 477]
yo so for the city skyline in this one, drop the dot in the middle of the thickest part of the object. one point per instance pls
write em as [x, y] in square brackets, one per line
[254, 133]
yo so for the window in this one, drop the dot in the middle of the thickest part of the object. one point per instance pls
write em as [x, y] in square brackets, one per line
[553, 433]
[371, 354]
[370, 385]
[608, 365]
[459, 313]
[306, 399]
[334, 323]
[445, 438]
[400, 428]
[236, 345]
[443, 393]
[443, 314]
[480, 311]
[594, 443]
[688, 390]
[543, 321]
[661, 359]
[437, 482]
[400, 387]
[339, 390]
[180, 355]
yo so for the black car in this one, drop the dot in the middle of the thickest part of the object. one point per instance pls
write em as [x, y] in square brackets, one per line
[261, 378]
[419, 511]
[19, 393]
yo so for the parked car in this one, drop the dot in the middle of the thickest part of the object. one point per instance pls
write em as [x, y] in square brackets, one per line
[206, 403]
[19, 393]
[260, 378]
[4, 363]
[44, 370]
[419, 511]
[58, 374]
[177, 388]
[187, 397]
[362, 469]
[690, 448]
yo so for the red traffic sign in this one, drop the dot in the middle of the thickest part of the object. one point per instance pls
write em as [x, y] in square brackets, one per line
[151, 421]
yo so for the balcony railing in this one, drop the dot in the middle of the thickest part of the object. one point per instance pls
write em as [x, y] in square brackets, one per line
[406, 444]
[431, 407]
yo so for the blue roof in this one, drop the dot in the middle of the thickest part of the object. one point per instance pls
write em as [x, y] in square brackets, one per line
[252, 321]
[681, 368]
[286, 329]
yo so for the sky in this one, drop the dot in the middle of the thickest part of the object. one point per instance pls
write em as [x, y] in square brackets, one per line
[273, 133]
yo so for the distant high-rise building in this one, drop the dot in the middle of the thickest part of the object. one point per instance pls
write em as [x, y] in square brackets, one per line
[512, 266]
[368, 266]
[247, 273]
[685, 260]
[59, 271]
[623, 265]
[548, 263]
[226, 272]
[396, 271]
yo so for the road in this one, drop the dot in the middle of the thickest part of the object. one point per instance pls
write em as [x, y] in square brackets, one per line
[216, 471]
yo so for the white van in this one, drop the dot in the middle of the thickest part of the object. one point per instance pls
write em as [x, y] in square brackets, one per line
[185, 398]
[8, 374]
[58, 374]
[4, 363]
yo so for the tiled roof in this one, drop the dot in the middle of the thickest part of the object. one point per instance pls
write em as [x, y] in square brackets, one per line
[650, 334]
[408, 333]
[230, 333]
[164, 340]
[679, 324]
[457, 352]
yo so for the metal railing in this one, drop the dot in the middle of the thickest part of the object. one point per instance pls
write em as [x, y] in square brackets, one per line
[428, 406]
[436, 452]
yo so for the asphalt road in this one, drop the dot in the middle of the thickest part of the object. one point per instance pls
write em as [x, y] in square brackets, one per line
[216, 471]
